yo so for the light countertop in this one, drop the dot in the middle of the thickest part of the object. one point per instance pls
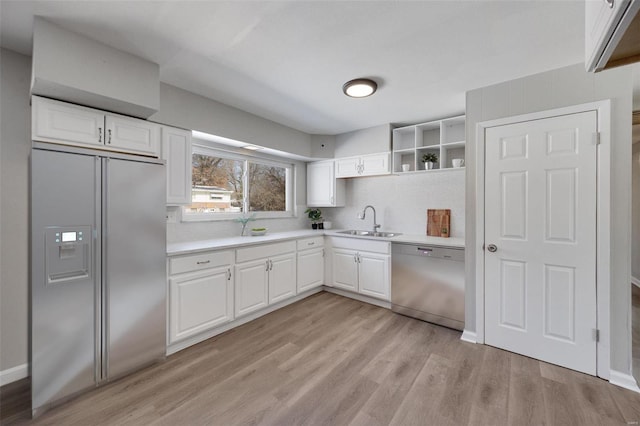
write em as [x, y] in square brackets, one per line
[176, 249]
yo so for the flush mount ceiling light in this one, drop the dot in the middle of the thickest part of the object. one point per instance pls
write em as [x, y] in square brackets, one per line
[252, 147]
[359, 88]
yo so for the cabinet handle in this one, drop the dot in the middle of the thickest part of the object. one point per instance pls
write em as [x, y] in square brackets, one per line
[271, 265]
[109, 142]
[267, 262]
[204, 262]
[322, 252]
[229, 274]
[609, 3]
[99, 134]
[332, 199]
[355, 258]
[310, 244]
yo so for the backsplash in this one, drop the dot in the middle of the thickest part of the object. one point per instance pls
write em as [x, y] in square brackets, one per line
[401, 201]
[194, 231]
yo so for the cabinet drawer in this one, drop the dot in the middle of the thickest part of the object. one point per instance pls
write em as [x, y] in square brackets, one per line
[264, 250]
[309, 243]
[196, 262]
[358, 244]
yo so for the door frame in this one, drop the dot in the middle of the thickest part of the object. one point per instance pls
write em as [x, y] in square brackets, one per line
[603, 213]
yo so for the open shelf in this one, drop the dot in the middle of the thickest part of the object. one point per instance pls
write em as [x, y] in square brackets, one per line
[445, 138]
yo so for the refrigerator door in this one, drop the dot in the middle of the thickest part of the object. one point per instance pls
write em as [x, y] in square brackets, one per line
[134, 241]
[64, 275]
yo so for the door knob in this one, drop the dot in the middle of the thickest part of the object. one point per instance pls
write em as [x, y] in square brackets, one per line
[492, 248]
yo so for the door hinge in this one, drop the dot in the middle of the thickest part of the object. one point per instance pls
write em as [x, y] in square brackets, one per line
[597, 137]
[596, 334]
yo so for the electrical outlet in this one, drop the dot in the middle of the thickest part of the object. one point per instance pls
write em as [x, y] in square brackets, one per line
[172, 216]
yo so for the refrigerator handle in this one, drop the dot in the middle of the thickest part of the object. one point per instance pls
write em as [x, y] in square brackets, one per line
[105, 279]
[97, 267]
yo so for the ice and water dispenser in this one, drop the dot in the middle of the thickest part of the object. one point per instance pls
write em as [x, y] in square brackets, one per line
[68, 253]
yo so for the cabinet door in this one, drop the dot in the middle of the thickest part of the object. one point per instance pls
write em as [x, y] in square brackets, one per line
[321, 184]
[176, 151]
[282, 277]
[601, 20]
[132, 135]
[199, 301]
[374, 274]
[347, 167]
[251, 286]
[64, 123]
[345, 269]
[310, 269]
[376, 164]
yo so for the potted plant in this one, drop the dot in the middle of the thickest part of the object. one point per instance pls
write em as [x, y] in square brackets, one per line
[429, 159]
[316, 218]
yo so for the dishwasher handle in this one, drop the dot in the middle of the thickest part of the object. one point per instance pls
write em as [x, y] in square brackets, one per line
[425, 250]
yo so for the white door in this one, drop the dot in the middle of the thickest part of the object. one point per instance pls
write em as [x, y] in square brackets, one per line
[63, 123]
[347, 167]
[375, 164]
[176, 151]
[251, 286]
[132, 135]
[374, 275]
[321, 184]
[310, 269]
[199, 302]
[345, 269]
[540, 213]
[282, 277]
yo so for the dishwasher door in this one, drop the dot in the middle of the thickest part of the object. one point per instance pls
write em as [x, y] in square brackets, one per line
[427, 283]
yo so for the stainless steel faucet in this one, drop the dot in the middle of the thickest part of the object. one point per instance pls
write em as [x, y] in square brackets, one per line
[361, 215]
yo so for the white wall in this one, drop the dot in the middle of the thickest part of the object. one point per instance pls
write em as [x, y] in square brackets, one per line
[401, 201]
[554, 89]
[364, 141]
[635, 211]
[15, 146]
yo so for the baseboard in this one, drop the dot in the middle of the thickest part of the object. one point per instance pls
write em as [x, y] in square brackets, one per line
[624, 380]
[14, 374]
[635, 281]
[183, 344]
[357, 296]
[469, 336]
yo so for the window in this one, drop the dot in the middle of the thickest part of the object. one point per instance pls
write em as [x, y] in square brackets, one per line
[226, 185]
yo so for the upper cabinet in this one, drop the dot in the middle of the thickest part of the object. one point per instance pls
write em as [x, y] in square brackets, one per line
[444, 138]
[364, 165]
[176, 151]
[323, 189]
[68, 124]
[612, 33]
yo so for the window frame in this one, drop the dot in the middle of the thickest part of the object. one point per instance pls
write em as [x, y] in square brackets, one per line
[290, 169]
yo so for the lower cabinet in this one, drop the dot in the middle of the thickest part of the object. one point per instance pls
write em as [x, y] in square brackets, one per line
[265, 274]
[310, 263]
[200, 299]
[358, 270]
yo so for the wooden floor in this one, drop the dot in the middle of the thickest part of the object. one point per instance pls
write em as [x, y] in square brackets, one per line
[329, 360]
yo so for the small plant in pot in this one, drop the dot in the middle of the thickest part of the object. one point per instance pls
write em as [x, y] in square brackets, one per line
[316, 218]
[429, 159]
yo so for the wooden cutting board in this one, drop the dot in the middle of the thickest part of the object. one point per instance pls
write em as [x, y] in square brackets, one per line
[439, 223]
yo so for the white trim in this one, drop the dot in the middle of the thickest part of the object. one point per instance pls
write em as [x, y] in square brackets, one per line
[635, 281]
[357, 296]
[183, 344]
[14, 374]
[469, 336]
[603, 233]
[624, 380]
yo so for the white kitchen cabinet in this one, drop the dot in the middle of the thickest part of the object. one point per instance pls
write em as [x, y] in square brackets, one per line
[265, 274]
[612, 29]
[444, 138]
[176, 151]
[68, 124]
[200, 293]
[365, 165]
[362, 266]
[251, 293]
[323, 189]
[310, 265]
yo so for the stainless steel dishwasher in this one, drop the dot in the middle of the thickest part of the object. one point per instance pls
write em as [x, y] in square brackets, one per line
[427, 283]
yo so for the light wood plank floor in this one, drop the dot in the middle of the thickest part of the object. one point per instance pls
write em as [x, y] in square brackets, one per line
[329, 360]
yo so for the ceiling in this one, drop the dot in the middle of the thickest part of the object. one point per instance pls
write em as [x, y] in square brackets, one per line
[287, 60]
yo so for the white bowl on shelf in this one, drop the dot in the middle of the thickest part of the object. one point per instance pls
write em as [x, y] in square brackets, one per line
[257, 233]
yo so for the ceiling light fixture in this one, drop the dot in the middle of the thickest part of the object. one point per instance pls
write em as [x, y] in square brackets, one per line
[359, 88]
[252, 147]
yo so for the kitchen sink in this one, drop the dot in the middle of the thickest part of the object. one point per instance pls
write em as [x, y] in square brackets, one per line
[369, 233]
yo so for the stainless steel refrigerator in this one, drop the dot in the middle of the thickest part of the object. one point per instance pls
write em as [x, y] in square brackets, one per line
[98, 286]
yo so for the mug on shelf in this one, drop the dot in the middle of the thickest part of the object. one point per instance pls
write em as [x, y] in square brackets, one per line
[406, 167]
[457, 162]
